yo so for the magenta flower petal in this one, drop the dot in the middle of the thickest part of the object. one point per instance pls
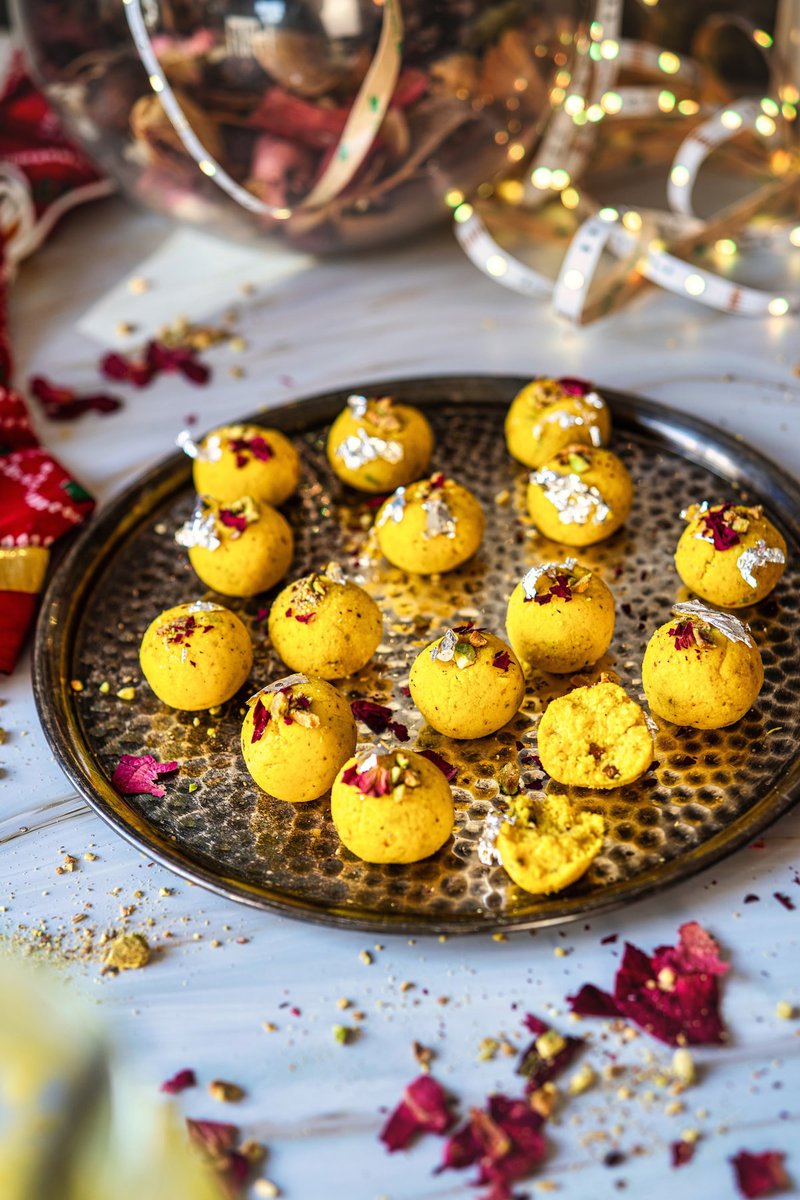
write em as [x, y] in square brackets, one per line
[760, 1174]
[378, 718]
[423, 1109]
[681, 1153]
[136, 775]
[261, 718]
[179, 1082]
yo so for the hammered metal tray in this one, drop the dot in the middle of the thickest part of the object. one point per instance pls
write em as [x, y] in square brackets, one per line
[706, 795]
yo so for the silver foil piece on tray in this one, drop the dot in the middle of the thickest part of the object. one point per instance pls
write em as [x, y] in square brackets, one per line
[487, 843]
[211, 452]
[439, 520]
[729, 626]
[531, 578]
[359, 448]
[757, 556]
[445, 648]
[199, 530]
[577, 502]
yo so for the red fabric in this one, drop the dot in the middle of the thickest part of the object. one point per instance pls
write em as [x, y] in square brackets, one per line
[16, 613]
[39, 500]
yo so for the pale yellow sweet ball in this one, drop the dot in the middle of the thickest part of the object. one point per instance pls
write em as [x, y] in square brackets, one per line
[246, 460]
[580, 496]
[325, 625]
[549, 414]
[376, 444]
[432, 526]
[560, 618]
[473, 687]
[694, 674]
[547, 845]
[392, 808]
[595, 737]
[296, 735]
[731, 555]
[196, 655]
[238, 548]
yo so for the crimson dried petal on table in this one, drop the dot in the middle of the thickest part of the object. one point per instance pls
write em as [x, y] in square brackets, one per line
[137, 775]
[760, 1174]
[673, 995]
[505, 1140]
[179, 1082]
[681, 1153]
[423, 1109]
[158, 359]
[378, 718]
[217, 1142]
[548, 1055]
[65, 404]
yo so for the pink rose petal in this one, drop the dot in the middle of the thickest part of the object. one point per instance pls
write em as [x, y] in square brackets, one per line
[137, 775]
[179, 1082]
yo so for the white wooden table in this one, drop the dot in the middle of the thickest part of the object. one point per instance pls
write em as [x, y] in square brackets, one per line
[409, 311]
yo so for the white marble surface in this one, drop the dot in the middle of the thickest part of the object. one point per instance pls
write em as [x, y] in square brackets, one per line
[418, 310]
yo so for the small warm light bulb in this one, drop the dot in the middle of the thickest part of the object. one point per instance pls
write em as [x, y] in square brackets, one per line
[463, 213]
[666, 101]
[573, 280]
[611, 102]
[453, 198]
[496, 265]
[778, 307]
[765, 125]
[695, 285]
[794, 236]
[762, 38]
[559, 179]
[608, 214]
[726, 247]
[570, 198]
[632, 221]
[669, 63]
[609, 48]
[680, 175]
[541, 178]
[730, 119]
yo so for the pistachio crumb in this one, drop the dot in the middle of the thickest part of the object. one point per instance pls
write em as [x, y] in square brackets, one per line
[784, 1010]
[366, 958]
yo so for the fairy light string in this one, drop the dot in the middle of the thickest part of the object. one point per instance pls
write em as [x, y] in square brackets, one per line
[648, 244]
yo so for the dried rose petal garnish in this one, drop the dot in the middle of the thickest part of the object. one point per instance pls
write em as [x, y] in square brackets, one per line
[65, 404]
[548, 1055]
[504, 1139]
[717, 523]
[423, 1109]
[137, 775]
[447, 769]
[575, 387]
[683, 633]
[285, 706]
[502, 660]
[760, 1174]
[157, 359]
[233, 520]
[681, 1153]
[674, 995]
[179, 1082]
[255, 447]
[378, 718]
[181, 629]
[374, 781]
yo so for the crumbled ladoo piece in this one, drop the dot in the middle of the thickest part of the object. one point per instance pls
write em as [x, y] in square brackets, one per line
[546, 845]
[595, 737]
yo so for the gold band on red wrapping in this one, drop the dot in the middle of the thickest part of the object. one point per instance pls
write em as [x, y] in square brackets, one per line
[23, 568]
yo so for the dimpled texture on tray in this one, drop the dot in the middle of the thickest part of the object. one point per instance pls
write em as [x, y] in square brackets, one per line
[699, 783]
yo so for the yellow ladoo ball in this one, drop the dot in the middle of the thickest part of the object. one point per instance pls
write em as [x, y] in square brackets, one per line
[595, 737]
[325, 625]
[702, 668]
[238, 548]
[549, 414]
[244, 460]
[560, 618]
[432, 526]
[467, 684]
[196, 655]
[730, 554]
[296, 734]
[580, 496]
[376, 444]
[392, 808]
[546, 845]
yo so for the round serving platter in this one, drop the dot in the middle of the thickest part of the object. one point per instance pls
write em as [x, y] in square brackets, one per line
[706, 795]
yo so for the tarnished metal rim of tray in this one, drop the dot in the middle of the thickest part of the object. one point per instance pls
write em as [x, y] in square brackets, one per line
[74, 579]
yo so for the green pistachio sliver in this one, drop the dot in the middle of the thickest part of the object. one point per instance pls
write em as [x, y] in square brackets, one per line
[402, 760]
[464, 655]
[578, 463]
[399, 792]
[395, 775]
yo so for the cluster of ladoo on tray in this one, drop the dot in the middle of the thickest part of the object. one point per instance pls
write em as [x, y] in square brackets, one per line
[701, 668]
